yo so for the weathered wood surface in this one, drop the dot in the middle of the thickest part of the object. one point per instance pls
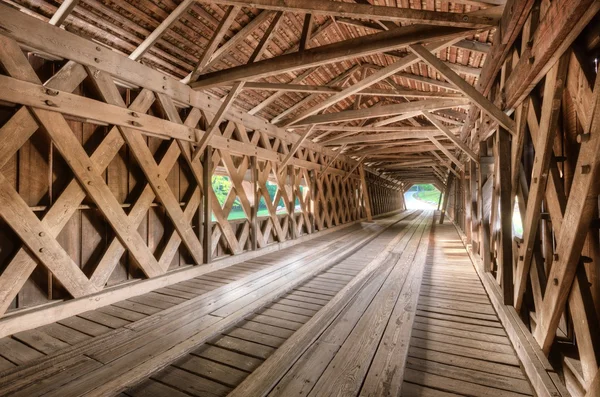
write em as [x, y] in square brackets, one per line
[145, 331]
[458, 344]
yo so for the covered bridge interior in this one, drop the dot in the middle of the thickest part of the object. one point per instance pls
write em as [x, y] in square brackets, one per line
[206, 198]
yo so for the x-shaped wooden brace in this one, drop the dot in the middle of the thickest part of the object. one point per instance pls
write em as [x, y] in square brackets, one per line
[138, 211]
[40, 235]
[87, 173]
[229, 201]
[345, 197]
[304, 201]
[339, 198]
[263, 176]
[236, 175]
[224, 226]
[285, 192]
[154, 174]
[327, 214]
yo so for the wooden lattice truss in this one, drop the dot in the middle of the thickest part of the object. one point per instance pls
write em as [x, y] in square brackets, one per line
[547, 168]
[329, 189]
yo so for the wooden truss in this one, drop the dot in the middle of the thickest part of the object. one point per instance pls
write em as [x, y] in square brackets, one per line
[546, 168]
[160, 126]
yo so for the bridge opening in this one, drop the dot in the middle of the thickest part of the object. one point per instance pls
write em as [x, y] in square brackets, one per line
[422, 196]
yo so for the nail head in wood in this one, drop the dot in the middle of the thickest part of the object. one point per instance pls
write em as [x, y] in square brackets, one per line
[583, 138]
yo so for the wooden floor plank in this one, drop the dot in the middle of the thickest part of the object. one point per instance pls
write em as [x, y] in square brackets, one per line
[495, 381]
[40, 341]
[228, 357]
[453, 385]
[190, 383]
[211, 370]
[17, 352]
[152, 388]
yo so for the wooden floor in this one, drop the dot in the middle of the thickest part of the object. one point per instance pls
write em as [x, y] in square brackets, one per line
[332, 316]
[458, 345]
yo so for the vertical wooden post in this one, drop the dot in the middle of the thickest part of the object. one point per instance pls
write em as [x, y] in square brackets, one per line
[313, 197]
[474, 210]
[292, 206]
[366, 197]
[468, 204]
[207, 182]
[446, 196]
[484, 227]
[255, 202]
[505, 257]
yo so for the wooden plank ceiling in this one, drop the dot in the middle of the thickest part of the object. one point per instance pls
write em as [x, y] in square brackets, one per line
[343, 76]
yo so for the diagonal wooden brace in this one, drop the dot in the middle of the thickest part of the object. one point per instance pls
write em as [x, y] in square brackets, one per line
[156, 178]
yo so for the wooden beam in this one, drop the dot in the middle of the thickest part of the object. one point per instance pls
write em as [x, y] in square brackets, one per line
[306, 31]
[426, 80]
[575, 226]
[214, 42]
[239, 37]
[207, 203]
[473, 45]
[237, 87]
[63, 12]
[280, 93]
[216, 121]
[341, 78]
[379, 75]
[380, 137]
[321, 89]
[445, 198]
[161, 29]
[485, 104]
[446, 131]
[354, 167]
[560, 26]
[296, 146]
[364, 11]
[370, 128]
[594, 389]
[505, 242]
[35, 34]
[553, 91]
[336, 52]
[514, 17]
[365, 191]
[445, 163]
[446, 152]
[330, 163]
[385, 110]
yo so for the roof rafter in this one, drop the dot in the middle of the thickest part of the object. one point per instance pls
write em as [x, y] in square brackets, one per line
[343, 50]
[365, 11]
